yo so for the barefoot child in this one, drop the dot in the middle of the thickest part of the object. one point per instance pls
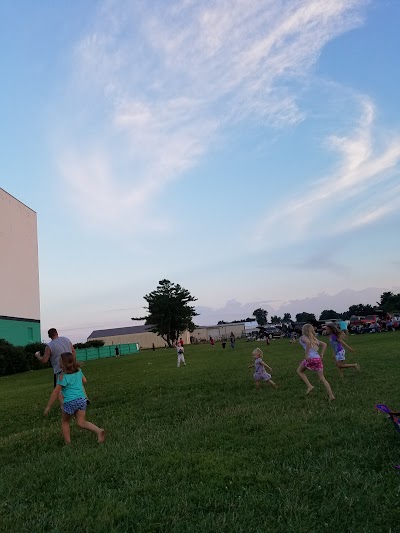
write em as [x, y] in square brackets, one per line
[313, 360]
[70, 384]
[339, 354]
[260, 373]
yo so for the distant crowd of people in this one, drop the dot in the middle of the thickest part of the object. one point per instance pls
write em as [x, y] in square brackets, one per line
[232, 341]
[380, 325]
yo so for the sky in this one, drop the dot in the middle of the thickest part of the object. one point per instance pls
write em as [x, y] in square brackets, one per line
[246, 149]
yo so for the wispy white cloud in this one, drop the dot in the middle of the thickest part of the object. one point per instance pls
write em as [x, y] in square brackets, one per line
[361, 190]
[155, 84]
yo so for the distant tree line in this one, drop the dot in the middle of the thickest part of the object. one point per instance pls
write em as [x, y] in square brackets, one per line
[170, 311]
[222, 322]
[88, 344]
[389, 303]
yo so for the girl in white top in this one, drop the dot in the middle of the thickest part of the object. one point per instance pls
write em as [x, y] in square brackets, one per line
[181, 357]
[313, 359]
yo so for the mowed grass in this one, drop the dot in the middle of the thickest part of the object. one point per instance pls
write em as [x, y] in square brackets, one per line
[199, 449]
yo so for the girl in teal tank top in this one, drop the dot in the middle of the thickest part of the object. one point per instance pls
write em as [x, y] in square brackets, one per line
[70, 384]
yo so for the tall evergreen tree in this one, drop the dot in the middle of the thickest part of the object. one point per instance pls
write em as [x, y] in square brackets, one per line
[261, 315]
[169, 312]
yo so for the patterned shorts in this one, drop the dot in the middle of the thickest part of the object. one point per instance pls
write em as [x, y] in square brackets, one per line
[75, 405]
[340, 356]
[314, 363]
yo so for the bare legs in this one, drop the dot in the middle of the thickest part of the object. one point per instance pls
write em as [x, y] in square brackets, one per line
[302, 376]
[82, 423]
[323, 379]
[301, 373]
[61, 400]
[65, 428]
[340, 366]
[272, 383]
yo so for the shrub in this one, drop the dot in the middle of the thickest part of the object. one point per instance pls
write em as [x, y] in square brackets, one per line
[16, 359]
[13, 359]
[88, 344]
[30, 350]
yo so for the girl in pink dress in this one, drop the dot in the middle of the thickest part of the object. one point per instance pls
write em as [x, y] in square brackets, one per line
[313, 359]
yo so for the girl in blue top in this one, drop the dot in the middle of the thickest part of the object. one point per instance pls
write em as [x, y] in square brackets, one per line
[339, 354]
[70, 384]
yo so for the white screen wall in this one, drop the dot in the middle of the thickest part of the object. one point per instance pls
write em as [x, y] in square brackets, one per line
[19, 270]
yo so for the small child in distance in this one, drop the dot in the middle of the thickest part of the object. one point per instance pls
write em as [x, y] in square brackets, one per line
[180, 350]
[260, 373]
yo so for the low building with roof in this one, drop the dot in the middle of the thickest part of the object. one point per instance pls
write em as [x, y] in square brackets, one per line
[141, 335]
[218, 332]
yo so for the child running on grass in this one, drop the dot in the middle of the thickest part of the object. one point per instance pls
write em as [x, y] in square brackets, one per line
[339, 354]
[313, 360]
[70, 384]
[260, 373]
[181, 355]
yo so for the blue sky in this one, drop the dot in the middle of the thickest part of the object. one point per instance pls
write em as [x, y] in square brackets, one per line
[247, 150]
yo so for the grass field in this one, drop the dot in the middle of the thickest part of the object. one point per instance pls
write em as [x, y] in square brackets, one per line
[199, 449]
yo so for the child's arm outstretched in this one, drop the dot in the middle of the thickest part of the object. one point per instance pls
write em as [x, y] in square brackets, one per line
[266, 366]
[324, 345]
[251, 366]
[54, 396]
[347, 346]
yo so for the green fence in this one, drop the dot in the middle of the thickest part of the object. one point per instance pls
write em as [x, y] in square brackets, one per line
[89, 354]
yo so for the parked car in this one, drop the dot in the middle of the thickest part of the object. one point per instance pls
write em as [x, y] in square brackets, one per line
[275, 332]
[356, 321]
[370, 319]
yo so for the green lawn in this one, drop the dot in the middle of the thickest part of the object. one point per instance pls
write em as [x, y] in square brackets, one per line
[199, 449]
